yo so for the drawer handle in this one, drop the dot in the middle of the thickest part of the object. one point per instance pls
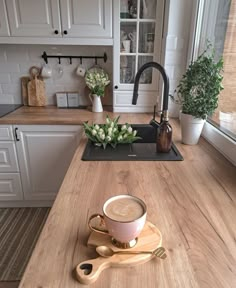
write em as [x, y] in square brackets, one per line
[16, 136]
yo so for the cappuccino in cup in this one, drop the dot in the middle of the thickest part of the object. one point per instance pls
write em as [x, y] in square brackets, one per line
[124, 217]
[124, 209]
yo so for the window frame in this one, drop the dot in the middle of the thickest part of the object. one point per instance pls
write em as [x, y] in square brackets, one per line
[199, 27]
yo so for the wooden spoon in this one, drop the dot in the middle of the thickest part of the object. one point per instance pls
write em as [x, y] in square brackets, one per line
[106, 252]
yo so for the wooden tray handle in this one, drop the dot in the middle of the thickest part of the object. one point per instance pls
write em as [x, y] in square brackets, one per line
[88, 271]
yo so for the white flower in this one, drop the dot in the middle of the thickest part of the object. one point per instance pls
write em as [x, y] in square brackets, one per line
[125, 136]
[134, 132]
[110, 133]
[123, 127]
[112, 124]
[94, 132]
[119, 138]
[96, 127]
[107, 120]
[108, 138]
[102, 136]
[130, 130]
[114, 130]
[96, 80]
[101, 130]
[109, 129]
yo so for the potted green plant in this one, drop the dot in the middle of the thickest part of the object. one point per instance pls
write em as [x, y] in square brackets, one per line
[197, 94]
[96, 79]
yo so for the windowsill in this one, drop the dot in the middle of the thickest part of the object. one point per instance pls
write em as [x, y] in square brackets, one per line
[222, 142]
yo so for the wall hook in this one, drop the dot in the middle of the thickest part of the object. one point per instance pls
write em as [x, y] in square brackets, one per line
[45, 57]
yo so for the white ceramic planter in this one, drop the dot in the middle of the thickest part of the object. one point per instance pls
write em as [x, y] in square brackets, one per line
[96, 102]
[191, 128]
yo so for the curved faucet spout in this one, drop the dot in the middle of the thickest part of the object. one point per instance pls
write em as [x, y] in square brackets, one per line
[165, 80]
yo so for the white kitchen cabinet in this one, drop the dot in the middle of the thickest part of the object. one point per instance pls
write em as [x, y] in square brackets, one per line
[34, 18]
[90, 18]
[4, 28]
[10, 181]
[138, 28]
[6, 133]
[45, 153]
[58, 22]
[10, 187]
[8, 158]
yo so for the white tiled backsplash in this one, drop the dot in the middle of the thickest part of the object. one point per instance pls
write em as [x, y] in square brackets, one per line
[15, 61]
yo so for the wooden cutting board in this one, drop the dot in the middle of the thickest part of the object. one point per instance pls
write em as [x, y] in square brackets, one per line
[88, 271]
[24, 89]
[36, 88]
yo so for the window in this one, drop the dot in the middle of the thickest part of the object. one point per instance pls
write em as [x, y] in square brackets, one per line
[216, 21]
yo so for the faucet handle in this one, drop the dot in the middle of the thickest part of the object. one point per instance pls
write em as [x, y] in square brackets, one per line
[154, 112]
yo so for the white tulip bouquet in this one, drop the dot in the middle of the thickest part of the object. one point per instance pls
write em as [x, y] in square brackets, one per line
[110, 133]
[97, 79]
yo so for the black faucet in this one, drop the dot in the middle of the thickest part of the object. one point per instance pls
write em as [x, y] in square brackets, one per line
[165, 80]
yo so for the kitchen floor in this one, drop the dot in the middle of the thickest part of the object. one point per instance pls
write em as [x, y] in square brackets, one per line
[21, 228]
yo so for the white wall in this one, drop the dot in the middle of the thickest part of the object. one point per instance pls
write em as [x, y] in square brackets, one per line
[177, 35]
[15, 61]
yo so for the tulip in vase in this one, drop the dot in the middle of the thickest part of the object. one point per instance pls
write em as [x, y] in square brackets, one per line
[96, 80]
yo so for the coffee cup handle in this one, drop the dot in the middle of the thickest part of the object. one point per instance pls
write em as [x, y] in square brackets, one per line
[96, 229]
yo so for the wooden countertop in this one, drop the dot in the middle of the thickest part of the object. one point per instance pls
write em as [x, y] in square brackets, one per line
[51, 115]
[192, 202]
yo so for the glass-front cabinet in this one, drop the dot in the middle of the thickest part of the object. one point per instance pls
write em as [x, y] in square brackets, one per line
[137, 40]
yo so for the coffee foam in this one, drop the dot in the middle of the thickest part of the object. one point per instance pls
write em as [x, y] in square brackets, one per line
[124, 209]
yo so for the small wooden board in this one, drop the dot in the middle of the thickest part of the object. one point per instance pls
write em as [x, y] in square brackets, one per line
[36, 89]
[88, 271]
[24, 89]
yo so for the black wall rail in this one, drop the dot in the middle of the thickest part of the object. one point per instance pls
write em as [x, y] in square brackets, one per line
[59, 57]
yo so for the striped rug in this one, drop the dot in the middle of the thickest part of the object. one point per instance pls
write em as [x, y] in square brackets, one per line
[19, 231]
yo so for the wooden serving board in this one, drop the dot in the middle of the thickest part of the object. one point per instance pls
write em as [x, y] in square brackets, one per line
[36, 89]
[88, 271]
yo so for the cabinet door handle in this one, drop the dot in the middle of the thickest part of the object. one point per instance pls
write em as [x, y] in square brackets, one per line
[65, 32]
[16, 136]
[56, 32]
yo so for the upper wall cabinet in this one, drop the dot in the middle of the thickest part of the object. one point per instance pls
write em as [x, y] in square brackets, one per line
[4, 29]
[56, 21]
[34, 17]
[90, 18]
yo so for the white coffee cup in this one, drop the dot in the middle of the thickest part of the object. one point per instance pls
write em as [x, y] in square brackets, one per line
[126, 45]
[124, 217]
[46, 71]
[80, 71]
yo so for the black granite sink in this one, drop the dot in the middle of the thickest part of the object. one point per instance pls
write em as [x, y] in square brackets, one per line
[142, 150]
